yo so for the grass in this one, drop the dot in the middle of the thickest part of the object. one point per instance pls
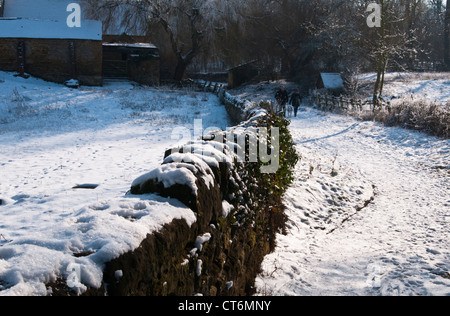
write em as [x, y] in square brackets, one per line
[410, 106]
[416, 114]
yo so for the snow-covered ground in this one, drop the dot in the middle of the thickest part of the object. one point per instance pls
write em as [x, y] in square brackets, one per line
[368, 211]
[340, 244]
[434, 87]
[53, 138]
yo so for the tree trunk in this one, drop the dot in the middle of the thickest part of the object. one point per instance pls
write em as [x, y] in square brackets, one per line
[377, 83]
[382, 60]
[183, 61]
[385, 62]
[180, 69]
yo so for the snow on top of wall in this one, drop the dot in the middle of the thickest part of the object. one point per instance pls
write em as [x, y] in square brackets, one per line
[30, 28]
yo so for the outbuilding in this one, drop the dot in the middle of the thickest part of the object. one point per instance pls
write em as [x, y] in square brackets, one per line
[36, 38]
[131, 57]
[242, 74]
[332, 82]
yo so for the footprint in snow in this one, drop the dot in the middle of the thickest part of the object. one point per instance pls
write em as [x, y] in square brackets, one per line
[100, 207]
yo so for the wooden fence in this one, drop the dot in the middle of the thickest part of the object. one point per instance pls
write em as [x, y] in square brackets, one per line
[331, 103]
[323, 102]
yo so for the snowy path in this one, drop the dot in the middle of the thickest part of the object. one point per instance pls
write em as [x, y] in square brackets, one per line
[396, 245]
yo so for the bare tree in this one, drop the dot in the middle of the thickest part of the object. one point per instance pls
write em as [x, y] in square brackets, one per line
[161, 13]
[183, 21]
[394, 41]
[296, 37]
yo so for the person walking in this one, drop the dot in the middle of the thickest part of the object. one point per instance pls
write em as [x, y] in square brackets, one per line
[295, 101]
[282, 98]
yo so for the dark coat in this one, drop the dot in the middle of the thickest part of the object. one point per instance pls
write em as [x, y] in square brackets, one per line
[282, 97]
[296, 99]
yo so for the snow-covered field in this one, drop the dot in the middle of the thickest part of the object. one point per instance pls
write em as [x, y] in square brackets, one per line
[434, 87]
[340, 244]
[53, 138]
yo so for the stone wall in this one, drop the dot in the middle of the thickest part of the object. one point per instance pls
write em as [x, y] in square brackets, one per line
[239, 213]
[51, 59]
[170, 263]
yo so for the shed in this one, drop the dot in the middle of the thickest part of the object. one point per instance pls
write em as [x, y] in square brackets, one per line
[139, 62]
[332, 82]
[242, 74]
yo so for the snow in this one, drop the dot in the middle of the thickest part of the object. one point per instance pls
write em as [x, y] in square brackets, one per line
[339, 241]
[196, 159]
[45, 19]
[201, 240]
[368, 210]
[332, 80]
[170, 175]
[134, 45]
[434, 87]
[54, 138]
[72, 83]
[49, 29]
[39, 9]
[226, 209]
[118, 274]
[198, 269]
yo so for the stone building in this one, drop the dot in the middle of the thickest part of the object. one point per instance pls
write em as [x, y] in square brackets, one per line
[35, 39]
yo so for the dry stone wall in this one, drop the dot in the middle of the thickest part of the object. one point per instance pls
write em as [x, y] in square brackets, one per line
[239, 212]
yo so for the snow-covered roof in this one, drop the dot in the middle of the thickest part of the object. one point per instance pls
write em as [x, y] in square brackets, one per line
[49, 29]
[132, 45]
[39, 9]
[332, 80]
[45, 19]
